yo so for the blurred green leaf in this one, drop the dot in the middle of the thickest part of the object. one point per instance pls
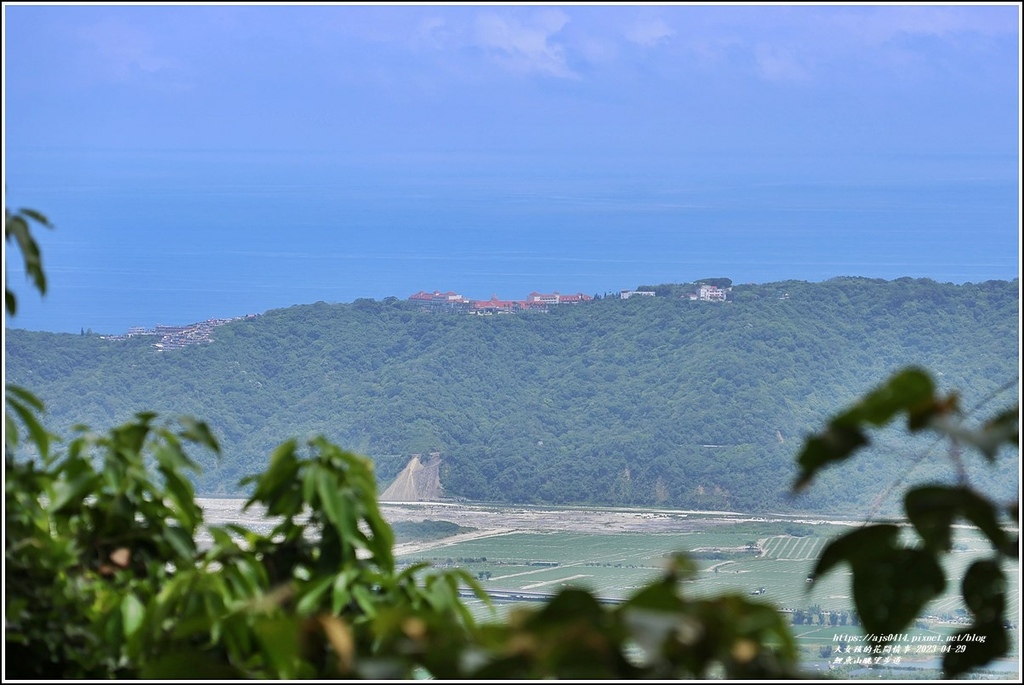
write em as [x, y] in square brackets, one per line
[659, 596]
[364, 598]
[26, 405]
[892, 588]
[188, 664]
[181, 541]
[25, 396]
[199, 432]
[16, 225]
[341, 593]
[571, 604]
[132, 614]
[860, 545]
[909, 391]
[891, 584]
[974, 646]
[68, 494]
[273, 484]
[984, 590]
[339, 512]
[934, 508]
[311, 595]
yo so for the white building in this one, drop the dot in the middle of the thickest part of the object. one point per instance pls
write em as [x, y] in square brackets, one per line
[711, 293]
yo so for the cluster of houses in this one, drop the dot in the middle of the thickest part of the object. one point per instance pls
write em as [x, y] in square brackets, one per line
[450, 301]
[453, 301]
[177, 337]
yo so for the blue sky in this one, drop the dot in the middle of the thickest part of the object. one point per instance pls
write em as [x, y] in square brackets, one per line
[212, 161]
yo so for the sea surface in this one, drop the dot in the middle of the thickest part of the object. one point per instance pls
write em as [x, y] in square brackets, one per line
[173, 238]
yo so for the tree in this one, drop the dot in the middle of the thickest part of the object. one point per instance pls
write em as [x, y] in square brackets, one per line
[23, 403]
[106, 576]
[107, 573]
[892, 581]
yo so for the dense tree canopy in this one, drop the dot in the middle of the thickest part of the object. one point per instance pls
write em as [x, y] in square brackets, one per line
[649, 401]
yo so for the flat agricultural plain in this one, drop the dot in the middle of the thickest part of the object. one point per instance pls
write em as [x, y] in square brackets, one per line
[525, 551]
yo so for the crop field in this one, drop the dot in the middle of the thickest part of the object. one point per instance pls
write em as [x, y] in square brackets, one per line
[614, 552]
[615, 565]
[742, 558]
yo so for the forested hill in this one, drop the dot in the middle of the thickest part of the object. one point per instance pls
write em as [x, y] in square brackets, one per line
[646, 401]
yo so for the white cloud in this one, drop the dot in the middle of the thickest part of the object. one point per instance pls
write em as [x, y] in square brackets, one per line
[649, 32]
[779, 64]
[526, 47]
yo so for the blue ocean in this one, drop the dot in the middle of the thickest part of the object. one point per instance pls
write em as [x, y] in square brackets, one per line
[150, 238]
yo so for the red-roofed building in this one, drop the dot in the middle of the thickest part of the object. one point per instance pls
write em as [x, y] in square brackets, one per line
[494, 306]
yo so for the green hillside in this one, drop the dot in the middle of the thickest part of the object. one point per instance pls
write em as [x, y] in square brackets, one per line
[645, 401]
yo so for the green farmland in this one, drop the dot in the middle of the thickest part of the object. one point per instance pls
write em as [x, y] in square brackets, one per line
[744, 557]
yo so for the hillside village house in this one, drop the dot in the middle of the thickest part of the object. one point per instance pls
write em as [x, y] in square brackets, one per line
[710, 293]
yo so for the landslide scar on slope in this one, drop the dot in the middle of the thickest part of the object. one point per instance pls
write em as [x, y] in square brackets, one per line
[419, 481]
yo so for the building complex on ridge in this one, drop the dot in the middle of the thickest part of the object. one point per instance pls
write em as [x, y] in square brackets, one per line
[454, 301]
